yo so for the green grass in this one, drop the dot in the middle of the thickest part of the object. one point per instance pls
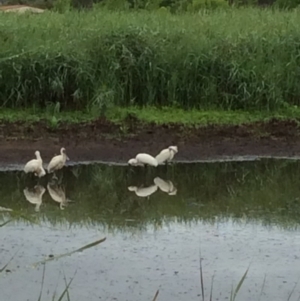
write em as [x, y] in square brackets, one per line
[199, 117]
[146, 115]
[234, 59]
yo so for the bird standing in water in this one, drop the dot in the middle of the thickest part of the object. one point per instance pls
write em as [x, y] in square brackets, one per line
[166, 155]
[142, 159]
[35, 166]
[58, 162]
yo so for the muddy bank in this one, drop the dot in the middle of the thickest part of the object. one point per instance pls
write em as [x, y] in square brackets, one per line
[107, 141]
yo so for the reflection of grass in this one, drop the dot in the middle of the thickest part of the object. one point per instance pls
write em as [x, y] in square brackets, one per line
[265, 192]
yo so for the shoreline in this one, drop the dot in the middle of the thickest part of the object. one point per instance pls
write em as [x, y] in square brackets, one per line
[103, 140]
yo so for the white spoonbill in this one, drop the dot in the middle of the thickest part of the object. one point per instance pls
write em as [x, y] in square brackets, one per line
[35, 166]
[142, 159]
[143, 191]
[59, 161]
[34, 196]
[166, 154]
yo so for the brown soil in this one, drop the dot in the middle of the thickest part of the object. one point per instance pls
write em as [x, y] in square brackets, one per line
[103, 140]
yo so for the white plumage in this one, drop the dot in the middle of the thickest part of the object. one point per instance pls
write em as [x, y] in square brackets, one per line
[58, 195]
[142, 159]
[35, 166]
[143, 191]
[165, 186]
[59, 161]
[34, 196]
[166, 154]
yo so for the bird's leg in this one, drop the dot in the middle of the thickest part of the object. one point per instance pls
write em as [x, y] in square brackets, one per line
[60, 178]
[37, 207]
[38, 181]
[54, 177]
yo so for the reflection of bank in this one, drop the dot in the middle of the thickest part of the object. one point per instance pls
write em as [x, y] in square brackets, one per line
[35, 195]
[58, 194]
[164, 186]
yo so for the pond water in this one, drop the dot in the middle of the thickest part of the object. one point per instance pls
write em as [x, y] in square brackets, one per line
[158, 223]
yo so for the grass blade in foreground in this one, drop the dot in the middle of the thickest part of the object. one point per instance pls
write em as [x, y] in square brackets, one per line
[42, 285]
[233, 295]
[291, 293]
[156, 295]
[72, 252]
[4, 267]
[201, 278]
[211, 288]
[262, 287]
[66, 290]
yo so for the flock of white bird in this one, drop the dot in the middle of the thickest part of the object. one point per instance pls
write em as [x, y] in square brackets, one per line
[166, 155]
[35, 166]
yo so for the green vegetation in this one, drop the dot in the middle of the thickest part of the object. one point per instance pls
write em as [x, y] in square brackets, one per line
[238, 59]
[155, 115]
[174, 6]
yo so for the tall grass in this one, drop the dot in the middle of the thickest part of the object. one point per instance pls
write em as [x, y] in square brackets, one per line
[231, 59]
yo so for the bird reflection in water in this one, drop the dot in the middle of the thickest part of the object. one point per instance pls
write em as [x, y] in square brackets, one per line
[143, 192]
[4, 209]
[34, 195]
[165, 186]
[58, 194]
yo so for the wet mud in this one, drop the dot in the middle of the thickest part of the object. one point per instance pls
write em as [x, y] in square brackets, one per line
[102, 140]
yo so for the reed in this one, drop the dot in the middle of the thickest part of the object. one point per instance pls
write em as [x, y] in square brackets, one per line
[243, 58]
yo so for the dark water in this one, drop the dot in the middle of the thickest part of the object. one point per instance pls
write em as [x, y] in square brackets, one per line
[236, 214]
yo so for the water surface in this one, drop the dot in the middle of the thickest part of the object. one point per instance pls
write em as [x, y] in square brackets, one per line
[156, 222]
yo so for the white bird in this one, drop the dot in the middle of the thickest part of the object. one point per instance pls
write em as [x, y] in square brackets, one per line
[58, 162]
[58, 195]
[35, 166]
[142, 159]
[34, 196]
[143, 191]
[166, 154]
[165, 186]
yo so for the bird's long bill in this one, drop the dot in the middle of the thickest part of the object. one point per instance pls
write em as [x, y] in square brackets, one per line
[68, 158]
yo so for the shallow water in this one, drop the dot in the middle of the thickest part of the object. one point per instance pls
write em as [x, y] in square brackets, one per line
[236, 214]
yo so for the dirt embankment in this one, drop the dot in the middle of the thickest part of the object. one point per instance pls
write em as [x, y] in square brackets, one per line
[103, 140]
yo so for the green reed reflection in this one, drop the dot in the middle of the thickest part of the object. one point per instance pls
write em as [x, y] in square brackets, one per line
[119, 197]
